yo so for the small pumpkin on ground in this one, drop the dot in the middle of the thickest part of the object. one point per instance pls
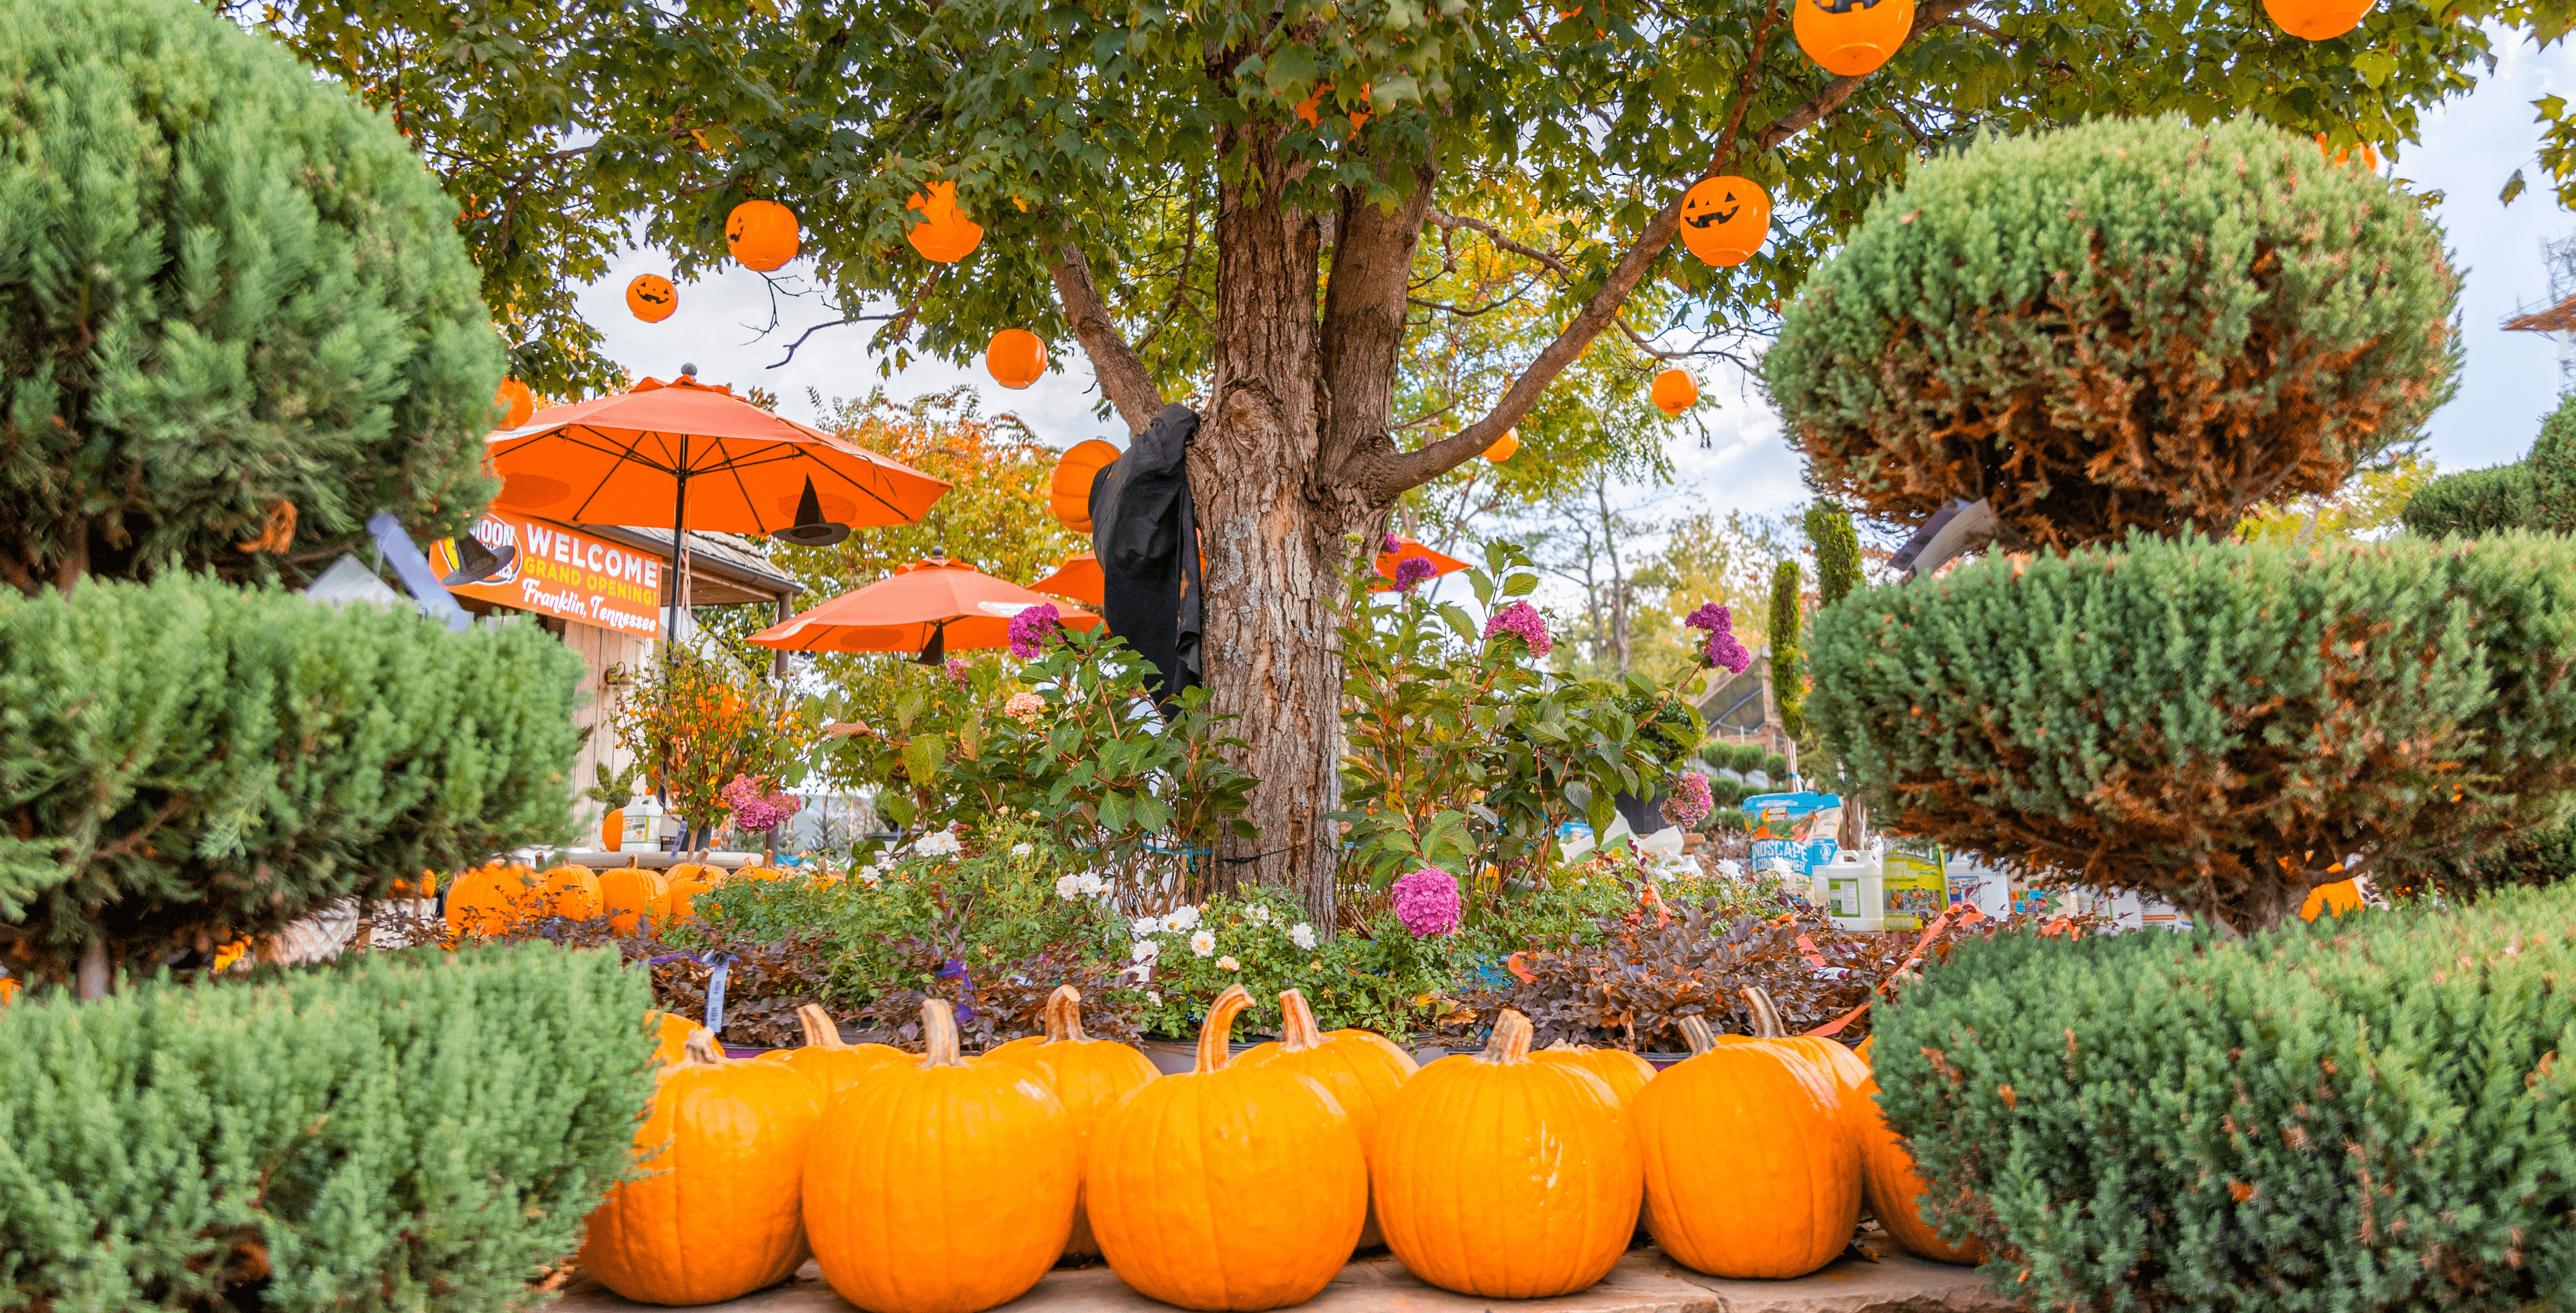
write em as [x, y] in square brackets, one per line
[1752, 1169]
[492, 899]
[681, 886]
[671, 1035]
[1231, 1187]
[832, 1065]
[1087, 1075]
[571, 892]
[1839, 1068]
[1361, 1068]
[943, 1186]
[1895, 1190]
[630, 896]
[1507, 1178]
[1624, 1072]
[719, 1217]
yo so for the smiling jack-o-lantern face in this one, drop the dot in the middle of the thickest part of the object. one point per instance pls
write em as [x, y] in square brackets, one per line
[1724, 220]
[652, 298]
[1849, 38]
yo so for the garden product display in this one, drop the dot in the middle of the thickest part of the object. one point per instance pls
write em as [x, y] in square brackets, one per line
[833, 1066]
[1230, 1187]
[1360, 1068]
[2368, 1112]
[402, 1131]
[1499, 1176]
[2307, 704]
[1751, 1168]
[945, 1186]
[1087, 1076]
[716, 1213]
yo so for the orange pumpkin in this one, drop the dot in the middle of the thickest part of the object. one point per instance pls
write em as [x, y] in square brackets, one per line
[571, 892]
[684, 883]
[1069, 487]
[494, 899]
[1507, 1178]
[652, 298]
[8, 988]
[1087, 1075]
[1842, 1071]
[1263, 1141]
[943, 1186]
[719, 1217]
[1015, 358]
[632, 897]
[1848, 38]
[1360, 1068]
[520, 401]
[1895, 1190]
[824, 1059]
[1624, 1072]
[426, 886]
[761, 235]
[671, 1033]
[1725, 220]
[945, 235]
[1504, 446]
[1751, 1168]
[2317, 20]
[1675, 391]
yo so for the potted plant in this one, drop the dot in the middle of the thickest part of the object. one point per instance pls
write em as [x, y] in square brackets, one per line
[615, 789]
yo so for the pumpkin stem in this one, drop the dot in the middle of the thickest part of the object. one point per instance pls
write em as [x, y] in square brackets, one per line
[1510, 1041]
[1064, 1016]
[1297, 1030]
[701, 1049]
[1696, 1033]
[939, 1034]
[1766, 1018]
[1219, 1024]
[821, 1032]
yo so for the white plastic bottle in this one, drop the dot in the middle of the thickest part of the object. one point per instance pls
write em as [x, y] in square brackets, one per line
[1852, 889]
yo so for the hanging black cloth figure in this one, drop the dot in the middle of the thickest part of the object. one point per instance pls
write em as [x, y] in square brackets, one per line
[1145, 535]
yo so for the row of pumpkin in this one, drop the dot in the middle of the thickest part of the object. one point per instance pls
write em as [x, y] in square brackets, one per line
[501, 897]
[940, 1184]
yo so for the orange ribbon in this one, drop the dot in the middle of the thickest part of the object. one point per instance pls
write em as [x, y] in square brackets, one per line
[1939, 924]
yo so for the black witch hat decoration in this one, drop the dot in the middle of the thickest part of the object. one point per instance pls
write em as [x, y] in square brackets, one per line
[811, 529]
[476, 562]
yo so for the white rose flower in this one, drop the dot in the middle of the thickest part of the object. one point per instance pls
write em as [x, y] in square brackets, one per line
[1183, 917]
[1023, 849]
[1257, 914]
[1146, 950]
[870, 878]
[1203, 943]
[936, 843]
[1228, 964]
[1067, 887]
[1090, 886]
[1146, 927]
[1153, 998]
[1302, 935]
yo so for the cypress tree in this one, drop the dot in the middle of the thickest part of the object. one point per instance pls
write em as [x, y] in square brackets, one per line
[1788, 662]
[1837, 547]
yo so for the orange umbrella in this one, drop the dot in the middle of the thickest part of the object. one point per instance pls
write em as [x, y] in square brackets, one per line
[1404, 548]
[927, 607]
[1078, 578]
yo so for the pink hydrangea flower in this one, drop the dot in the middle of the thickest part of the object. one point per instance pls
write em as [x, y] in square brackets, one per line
[957, 669]
[1024, 708]
[1522, 621]
[1426, 901]
[1689, 800]
[758, 808]
[1030, 629]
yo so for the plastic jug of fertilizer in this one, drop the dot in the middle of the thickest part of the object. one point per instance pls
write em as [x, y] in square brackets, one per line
[1852, 890]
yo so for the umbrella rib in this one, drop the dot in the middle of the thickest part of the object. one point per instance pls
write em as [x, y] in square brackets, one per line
[760, 523]
[626, 454]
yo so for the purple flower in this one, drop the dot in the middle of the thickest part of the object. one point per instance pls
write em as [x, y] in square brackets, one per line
[1722, 649]
[1710, 616]
[1689, 801]
[1392, 542]
[1413, 570]
[1030, 629]
[1522, 621]
[957, 669]
[1427, 902]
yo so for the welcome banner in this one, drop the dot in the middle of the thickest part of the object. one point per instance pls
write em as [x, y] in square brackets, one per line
[564, 572]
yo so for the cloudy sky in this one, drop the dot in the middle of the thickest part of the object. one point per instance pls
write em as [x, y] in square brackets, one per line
[2470, 148]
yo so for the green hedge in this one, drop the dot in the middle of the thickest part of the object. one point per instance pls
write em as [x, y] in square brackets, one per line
[2536, 492]
[2370, 1113]
[184, 762]
[2179, 717]
[415, 1131]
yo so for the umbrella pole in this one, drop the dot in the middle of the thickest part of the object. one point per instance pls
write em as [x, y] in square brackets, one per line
[679, 562]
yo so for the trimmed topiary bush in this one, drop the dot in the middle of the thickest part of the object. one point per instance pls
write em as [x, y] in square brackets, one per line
[2216, 725]
[184, 762]
[2129, 324]
[2370, 1113]
[415, 1131]
[224, 285]
[2536, 492]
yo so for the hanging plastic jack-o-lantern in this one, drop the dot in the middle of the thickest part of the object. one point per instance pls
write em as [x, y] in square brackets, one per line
[522, 402]
[2317, 20]
[1848, 38]
[761, 234]
[652, 298]
[1675, 391]
[1015, 357]
[1504, 446]
[945, 235]
[1726, 219]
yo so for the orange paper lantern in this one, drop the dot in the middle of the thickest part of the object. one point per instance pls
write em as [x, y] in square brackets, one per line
[1675, 391]
[1504, 446]
[1015, 357]
[1726, 219]
[2317, 20]
[945, 235]
[522, 402]
[1848, 38]
[1069, 488]
[652, 298]
[761, 234]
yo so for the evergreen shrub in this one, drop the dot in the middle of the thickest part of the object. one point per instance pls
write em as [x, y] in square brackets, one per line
[2130, 323]
[2213, 724]
[185, 762]
[224, 284]
[403, 1131]
[2369, 1113]
[2536, 492]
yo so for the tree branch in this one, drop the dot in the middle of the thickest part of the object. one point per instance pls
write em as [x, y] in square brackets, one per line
[1364, 312]
[1122, 375]
[1412, 469]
